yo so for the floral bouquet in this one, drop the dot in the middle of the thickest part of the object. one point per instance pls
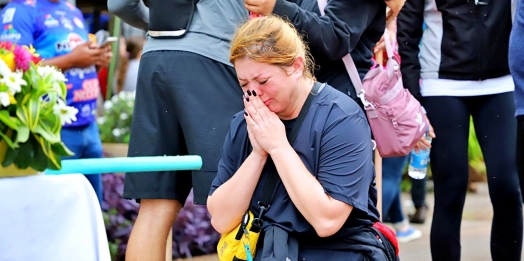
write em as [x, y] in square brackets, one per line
[32, 111]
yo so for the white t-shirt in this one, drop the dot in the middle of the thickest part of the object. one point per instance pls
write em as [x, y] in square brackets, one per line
[446, 87]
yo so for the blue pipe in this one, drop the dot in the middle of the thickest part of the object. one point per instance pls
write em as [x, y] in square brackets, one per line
[128, 164]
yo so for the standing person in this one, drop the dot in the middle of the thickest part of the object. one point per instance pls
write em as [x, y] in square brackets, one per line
[187, 92]
[323, 203]
[128, 71]
[56, 29]
[516, 56]
[353, 26]
[463, 64]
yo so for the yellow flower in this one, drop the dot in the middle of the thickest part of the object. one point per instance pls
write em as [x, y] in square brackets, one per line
[9, 59]
[31, 50]
[12, 99]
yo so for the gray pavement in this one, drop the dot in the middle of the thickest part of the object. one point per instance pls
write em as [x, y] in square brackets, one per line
[475, 231]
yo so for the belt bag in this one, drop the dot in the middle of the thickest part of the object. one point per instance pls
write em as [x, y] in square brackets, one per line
[235, 245]
[170, 18]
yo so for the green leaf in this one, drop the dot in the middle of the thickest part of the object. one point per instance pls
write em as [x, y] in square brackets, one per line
[21, 115]
[51, 165]
[8, 120]
[8, 140]
[47, 134]
[39, 161]
[10, 157]
[33, 112]
[22, 135]
[25, 155]
[51, 123]
[53, 158]
[61, 149]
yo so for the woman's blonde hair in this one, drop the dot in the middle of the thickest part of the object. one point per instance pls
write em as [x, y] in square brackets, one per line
[270, 40]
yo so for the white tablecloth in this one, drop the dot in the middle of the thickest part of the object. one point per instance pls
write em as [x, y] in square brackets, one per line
[55, 218]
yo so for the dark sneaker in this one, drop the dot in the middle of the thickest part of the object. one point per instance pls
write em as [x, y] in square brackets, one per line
[420, 215]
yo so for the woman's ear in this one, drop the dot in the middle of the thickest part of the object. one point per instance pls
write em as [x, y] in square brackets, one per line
[298, 67]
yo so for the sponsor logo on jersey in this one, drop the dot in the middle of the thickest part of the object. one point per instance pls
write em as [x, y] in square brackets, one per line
[67, 24]
[78, 23]
[89, 91]
[9, 14]
[10, 34]
[30, 3]
[73, 40]
[50, 21]
[81, 72]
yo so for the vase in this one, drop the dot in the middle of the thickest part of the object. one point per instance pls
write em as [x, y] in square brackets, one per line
[12, 170]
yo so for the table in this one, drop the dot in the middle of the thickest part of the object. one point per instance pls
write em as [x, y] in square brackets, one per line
[55, 218]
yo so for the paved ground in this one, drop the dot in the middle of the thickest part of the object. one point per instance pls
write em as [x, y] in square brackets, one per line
[476, 226]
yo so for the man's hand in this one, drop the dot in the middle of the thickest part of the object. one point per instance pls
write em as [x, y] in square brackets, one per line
[262, 7]
[87, 54]
[105, 57]
[394, 8]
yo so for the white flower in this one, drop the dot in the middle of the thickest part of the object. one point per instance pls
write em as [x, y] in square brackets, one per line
[56, 75]
[100, 120]
[4, 69]
[114, 98]
[124, 116]
[4, 99]
[14, 81]
[116, 132]
[108, 105]
[66, 113]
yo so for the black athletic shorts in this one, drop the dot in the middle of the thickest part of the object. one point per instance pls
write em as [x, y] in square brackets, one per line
[184, 103]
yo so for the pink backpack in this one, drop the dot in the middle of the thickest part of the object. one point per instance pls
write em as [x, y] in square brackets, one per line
[395, 116]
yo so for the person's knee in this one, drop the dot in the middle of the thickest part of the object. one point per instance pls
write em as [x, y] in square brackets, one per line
[159, 210]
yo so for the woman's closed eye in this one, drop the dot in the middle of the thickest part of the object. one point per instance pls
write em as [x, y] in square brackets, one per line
[263, 82]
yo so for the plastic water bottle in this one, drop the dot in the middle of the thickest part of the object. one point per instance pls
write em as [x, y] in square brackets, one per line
[418, 162]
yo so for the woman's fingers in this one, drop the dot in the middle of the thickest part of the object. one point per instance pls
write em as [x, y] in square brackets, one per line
[255, 107]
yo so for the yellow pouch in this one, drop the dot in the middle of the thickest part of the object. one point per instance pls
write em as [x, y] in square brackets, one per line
[232, 245]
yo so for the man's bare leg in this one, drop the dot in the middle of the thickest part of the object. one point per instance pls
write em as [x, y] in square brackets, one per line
[149, 235]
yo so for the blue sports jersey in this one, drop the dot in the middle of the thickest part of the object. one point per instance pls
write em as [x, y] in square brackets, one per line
[54, 29]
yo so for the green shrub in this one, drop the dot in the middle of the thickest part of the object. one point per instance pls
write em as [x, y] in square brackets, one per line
[115, 123]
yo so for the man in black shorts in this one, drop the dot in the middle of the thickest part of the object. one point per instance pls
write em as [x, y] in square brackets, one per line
[187, 93]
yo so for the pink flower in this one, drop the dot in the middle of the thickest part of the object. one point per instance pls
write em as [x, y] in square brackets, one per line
[6, 45]
[22, 58]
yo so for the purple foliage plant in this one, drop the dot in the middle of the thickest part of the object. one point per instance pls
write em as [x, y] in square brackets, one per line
[193, 234]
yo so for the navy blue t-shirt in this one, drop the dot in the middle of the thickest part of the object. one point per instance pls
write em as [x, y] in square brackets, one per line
[334, 143]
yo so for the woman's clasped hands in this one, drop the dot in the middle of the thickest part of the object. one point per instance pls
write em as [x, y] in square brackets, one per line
[265, 129]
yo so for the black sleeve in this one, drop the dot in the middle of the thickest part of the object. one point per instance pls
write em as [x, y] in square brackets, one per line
[409, 32]
[337, 32]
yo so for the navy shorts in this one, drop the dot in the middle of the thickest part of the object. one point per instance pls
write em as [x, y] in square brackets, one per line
[184, 104]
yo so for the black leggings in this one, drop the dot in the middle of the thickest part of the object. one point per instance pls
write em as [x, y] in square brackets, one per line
[520, 151]
[495, 126]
